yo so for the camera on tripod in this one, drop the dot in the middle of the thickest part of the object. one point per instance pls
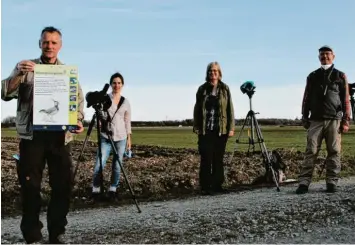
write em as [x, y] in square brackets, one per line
[248, 88]
[99, 98]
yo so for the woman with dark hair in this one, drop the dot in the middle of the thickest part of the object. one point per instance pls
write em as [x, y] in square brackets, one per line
[213, 122]
[118, 123]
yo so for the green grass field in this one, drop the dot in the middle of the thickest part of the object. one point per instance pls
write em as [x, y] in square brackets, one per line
[291, 137]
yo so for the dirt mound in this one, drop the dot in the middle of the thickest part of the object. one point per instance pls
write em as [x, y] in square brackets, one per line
[154, 173]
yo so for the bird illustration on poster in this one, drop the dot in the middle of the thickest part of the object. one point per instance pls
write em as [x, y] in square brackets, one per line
[50, 112]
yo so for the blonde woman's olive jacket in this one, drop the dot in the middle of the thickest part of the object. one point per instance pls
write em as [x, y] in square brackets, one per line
[226, 118]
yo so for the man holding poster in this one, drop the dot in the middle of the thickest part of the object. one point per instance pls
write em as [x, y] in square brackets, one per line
[43, 88]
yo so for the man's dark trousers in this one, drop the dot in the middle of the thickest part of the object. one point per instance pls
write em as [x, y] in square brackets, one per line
[211, 148]
[45, 147]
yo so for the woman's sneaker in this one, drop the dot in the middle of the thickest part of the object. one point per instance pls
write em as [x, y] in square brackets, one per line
[96, 191]
[112, 194]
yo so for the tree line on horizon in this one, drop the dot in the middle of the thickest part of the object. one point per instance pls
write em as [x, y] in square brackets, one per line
[11, 121]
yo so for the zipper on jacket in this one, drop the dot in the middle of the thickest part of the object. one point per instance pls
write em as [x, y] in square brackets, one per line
[220, 113]
[204, 113]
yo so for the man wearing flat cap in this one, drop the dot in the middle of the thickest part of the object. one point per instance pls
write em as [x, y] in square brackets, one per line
[326, 115]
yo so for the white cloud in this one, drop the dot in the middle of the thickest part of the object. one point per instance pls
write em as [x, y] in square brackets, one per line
[176, 102]
[155, 103]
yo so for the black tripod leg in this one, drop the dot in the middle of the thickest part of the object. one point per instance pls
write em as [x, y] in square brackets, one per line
[252, 127]
[124, 173]
[265, 152]
[80, 158]
[98, 122]
[249, 121]
[260, 137]
[247, 118]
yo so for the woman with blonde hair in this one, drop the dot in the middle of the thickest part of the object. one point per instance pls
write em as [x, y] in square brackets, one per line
[213, 122]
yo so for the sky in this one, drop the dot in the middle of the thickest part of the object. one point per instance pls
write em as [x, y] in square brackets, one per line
[162, 48]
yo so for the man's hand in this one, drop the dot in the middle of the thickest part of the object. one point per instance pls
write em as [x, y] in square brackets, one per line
[306, 123]
[80, 128]
[25, 66]
[344, 127]
[231, 133]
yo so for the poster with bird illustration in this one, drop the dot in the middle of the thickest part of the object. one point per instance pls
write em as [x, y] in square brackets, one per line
[55, 93]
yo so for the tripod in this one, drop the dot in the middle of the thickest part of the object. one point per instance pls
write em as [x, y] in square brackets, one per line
[254, 126]
[98, 117]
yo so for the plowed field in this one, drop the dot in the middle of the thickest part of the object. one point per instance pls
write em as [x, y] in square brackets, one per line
[154, 173]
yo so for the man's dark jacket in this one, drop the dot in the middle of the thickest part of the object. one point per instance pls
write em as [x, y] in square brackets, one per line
[326, 96]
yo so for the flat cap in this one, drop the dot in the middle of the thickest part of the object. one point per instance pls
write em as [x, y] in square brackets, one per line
[325, 48]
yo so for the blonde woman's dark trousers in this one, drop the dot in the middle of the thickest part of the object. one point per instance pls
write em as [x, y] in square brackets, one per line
[211, 147]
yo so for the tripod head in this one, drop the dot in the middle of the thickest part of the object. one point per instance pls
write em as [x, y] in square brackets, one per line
[248, 88]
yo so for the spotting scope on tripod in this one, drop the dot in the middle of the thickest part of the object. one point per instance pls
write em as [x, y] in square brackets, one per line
[100, 101]
[254, 131]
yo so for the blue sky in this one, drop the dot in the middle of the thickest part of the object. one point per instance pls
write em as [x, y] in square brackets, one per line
[162, 48]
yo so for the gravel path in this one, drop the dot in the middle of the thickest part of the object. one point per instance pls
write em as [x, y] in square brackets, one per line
[259, 216]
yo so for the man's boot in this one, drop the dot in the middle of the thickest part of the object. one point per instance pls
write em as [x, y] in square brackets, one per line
[302, 189]
[331, 188]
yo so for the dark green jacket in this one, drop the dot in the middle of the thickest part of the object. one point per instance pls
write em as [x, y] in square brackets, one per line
[226, 119]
